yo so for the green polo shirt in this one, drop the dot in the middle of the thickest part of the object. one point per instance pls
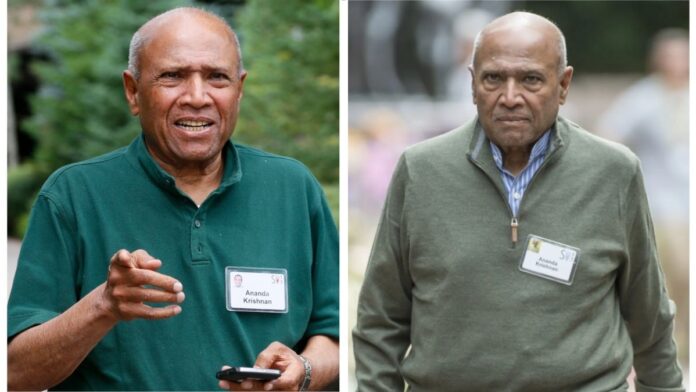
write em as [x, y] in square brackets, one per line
[268, 212]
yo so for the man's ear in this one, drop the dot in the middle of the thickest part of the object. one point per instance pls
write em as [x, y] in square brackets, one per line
[130, 86]
[473, 83]
[241, 85]
[566, 77]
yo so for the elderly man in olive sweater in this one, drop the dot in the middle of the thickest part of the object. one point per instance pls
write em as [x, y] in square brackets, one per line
[516, 253]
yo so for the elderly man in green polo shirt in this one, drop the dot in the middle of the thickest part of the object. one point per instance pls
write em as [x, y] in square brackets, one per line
[155, 232]
[516, 253]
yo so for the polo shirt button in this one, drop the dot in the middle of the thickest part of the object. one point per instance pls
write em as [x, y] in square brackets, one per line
[517, 195]
[197, 223]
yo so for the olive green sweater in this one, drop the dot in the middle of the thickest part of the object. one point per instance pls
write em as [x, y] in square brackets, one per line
[443, 275]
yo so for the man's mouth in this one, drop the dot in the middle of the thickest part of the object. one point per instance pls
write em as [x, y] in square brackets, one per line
[512, 118]
[193, 125]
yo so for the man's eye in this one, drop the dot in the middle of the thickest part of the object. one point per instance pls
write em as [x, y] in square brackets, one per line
[532, 79]
[169, 75]
[218, 75]
[492, 78]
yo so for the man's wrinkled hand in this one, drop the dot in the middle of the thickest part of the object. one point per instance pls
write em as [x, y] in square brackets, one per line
[275, 356]
[125, 291]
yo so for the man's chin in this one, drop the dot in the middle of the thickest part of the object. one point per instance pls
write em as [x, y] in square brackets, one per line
[513, 139]
[518, 131]
[518, 126]
[194, 154]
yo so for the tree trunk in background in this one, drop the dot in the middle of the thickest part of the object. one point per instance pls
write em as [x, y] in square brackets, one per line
[12, 148]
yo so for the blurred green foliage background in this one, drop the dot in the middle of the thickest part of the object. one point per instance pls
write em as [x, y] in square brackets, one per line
[610, 36]
[290, 105]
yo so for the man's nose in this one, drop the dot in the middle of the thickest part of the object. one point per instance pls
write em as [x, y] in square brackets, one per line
[196, 94]
[511, 96]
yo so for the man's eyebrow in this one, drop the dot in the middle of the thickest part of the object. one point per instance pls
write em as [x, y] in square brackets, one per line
[516, 71]
[488, 71]
[532, 70]
[189, 68]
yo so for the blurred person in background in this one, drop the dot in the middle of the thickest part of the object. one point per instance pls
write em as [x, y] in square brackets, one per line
[516, 252]
[652, 119]
[382, 142]
[465, 28]
[125, 273]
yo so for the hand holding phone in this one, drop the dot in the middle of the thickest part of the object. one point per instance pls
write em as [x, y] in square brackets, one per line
[238, 374]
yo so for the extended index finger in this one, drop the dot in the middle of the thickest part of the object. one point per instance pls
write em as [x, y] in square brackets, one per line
[141, 277]
[123, 258]
[141, 258]
[136, 259]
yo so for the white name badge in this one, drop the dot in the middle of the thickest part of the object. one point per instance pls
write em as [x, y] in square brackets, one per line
[256, 289]
[550, 259]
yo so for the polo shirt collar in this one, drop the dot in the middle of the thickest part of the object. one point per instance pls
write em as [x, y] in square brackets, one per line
[139, 154]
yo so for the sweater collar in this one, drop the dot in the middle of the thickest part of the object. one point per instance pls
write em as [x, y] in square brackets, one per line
[479, 140]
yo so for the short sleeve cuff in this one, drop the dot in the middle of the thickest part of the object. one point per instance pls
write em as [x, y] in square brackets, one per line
[326, 330]
[22, 322]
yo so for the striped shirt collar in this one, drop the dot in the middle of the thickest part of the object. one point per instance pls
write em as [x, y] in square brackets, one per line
[538, 151]
[516, 186]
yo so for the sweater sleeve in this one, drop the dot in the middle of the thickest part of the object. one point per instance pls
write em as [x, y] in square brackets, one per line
[381, 336]
[645, 305]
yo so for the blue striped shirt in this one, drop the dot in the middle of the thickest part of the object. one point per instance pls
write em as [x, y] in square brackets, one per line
[516, 186]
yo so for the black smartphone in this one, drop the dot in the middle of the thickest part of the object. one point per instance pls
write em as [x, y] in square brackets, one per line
[240, 373]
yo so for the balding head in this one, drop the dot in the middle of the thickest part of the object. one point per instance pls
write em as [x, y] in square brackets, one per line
[521, 24]
[168, 19]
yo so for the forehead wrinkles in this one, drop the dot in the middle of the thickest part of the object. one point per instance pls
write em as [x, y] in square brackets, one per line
[511, 68]
[187, 55]
[189, 29]
[205, 48]
[519, 44]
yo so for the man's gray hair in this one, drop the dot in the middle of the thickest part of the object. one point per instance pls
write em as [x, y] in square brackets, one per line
[140, 39]
[562, 51]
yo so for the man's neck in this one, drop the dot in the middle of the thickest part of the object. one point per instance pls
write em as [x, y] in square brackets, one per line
[515, 160]
[197, 181]
[199, 187]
